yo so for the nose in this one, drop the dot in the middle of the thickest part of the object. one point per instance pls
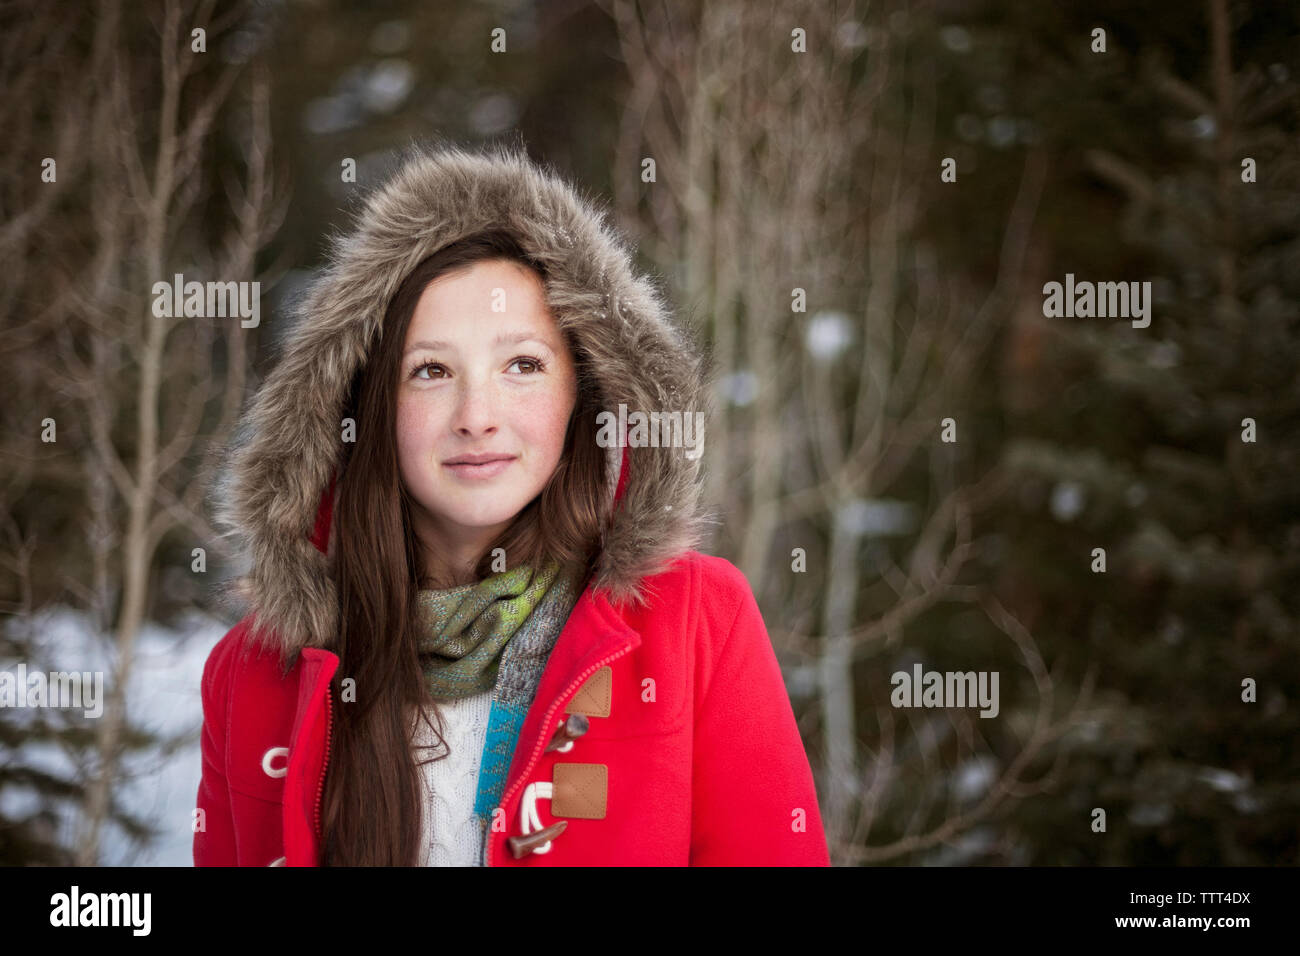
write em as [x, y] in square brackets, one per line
[476, 409]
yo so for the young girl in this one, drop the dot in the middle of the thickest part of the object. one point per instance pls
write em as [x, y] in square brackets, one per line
[480, 634]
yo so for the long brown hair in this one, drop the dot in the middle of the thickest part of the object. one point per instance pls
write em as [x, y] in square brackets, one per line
[373, 797]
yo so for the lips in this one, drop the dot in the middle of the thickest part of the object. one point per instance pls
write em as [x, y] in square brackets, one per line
[478, 466]
[481, 459]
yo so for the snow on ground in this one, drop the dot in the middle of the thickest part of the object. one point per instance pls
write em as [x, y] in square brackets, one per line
[158, 785]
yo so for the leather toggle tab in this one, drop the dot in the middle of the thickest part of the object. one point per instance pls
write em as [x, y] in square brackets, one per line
[580, 790]
[593, 697]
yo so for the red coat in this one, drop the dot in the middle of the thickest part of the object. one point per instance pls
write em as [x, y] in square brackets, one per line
[710, 772]
[692, 755]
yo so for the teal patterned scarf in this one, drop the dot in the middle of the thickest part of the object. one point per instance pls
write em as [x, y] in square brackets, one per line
[464, 630]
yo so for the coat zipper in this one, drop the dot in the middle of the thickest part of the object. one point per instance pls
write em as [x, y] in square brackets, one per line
[546, 723]
[320, 787]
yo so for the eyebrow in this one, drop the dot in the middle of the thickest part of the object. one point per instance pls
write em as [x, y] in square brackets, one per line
[503, 338]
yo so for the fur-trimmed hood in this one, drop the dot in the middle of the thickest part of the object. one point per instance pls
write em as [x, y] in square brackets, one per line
[274, 496]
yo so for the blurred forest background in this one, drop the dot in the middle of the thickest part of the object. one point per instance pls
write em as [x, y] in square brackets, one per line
[777, 168]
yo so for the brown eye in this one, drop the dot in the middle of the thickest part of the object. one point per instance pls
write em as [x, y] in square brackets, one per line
[415, 373]
[537, 365]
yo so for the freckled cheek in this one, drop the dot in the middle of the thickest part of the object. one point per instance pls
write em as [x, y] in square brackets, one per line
[415, 430]
[542, 421]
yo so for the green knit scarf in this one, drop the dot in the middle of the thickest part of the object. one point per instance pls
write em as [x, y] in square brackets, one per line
[463, 630]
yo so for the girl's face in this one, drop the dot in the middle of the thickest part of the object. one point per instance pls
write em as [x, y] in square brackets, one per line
[484, 372]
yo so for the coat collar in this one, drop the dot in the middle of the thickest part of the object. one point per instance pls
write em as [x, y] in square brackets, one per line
[593, 631]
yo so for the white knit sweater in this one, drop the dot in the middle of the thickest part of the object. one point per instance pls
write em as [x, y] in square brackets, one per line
[451, 834]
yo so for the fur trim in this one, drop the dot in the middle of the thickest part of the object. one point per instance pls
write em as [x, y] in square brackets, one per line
[288, 443]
